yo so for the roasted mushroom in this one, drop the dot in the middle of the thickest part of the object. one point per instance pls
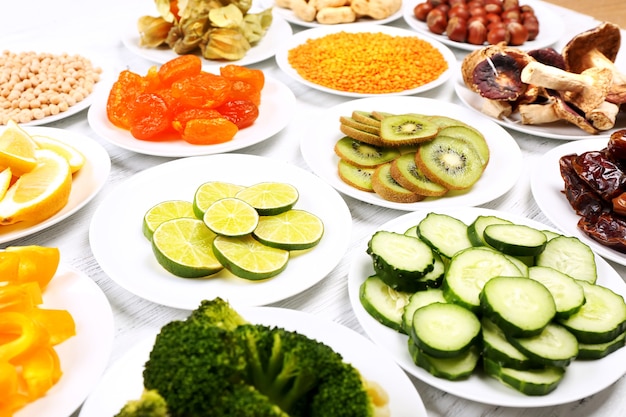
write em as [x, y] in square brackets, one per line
[598, 48]
[552, 110]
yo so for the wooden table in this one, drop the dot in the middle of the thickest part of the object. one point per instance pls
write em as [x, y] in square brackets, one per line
[609, 10]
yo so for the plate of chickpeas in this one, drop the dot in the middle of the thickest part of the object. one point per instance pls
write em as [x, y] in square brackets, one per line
[41, 87]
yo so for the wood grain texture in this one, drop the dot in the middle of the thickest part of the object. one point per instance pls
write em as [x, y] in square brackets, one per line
[603, 10]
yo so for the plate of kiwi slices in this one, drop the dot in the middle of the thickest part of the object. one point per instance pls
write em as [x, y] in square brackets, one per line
[411, 153]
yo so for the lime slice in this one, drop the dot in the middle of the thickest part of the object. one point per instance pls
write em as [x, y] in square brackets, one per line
[231, 217]
[248, 258]
[211, 191]
[183, 247]
[270, 198]
[291, 230]
[166, 210]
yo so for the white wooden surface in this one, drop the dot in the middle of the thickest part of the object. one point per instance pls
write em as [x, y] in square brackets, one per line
[93, 28]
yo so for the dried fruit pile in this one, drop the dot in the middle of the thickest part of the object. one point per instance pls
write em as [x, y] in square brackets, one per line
[179, 100]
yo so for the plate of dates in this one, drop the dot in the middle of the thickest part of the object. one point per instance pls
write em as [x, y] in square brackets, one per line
[605, 234]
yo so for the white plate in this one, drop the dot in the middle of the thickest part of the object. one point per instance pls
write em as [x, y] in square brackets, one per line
[502, 172]
[126, 256]
[300, 38]
[582, 378]
[86, 183]
[291, 17]
[124, 381]
[276, 35]
[551, 27]
[547, 185]
[557, 130]
[85, 355]
[275, 112]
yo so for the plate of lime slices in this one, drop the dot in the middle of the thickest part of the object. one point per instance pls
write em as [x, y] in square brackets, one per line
[132, 258]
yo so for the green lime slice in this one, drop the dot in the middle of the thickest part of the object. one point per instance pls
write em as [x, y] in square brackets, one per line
[231, 217]
[248, 258]
[211, 191]
[164, 211]
[270, 198]
[291, 230]
[183, 247]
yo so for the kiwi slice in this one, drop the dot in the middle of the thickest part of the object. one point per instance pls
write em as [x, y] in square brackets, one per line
[359, 178]
[471, 135]
[362, 154]
[406, 129]
[445, 121]
[366, 118]
[407, 174]
[451, 162]
[386, 187]
[361, 135]
[349, 121]
[380, 115]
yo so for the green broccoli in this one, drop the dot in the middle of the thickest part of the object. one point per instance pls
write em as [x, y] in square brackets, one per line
[150, 404]
[215, 363]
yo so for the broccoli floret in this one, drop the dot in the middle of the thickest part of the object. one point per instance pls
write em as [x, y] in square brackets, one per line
[150, 404]
[215, 363]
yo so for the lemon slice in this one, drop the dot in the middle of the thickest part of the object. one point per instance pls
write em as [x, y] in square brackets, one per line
[73, 156]
[183, 247]
[291, 230]
[5, 181]
[270, 198]
[248, 258]
[17, 149]
[40, 193]
[163, 211]
[231, 217]
[211, 191]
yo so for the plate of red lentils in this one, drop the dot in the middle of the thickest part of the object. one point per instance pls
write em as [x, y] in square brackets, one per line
[359, 60]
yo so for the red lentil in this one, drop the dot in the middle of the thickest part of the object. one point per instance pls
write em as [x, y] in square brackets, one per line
[367, 63]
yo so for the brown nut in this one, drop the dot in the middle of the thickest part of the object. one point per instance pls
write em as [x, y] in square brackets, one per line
[436, 20]
[457, 29]
[476, 33]
[518, 33]
[421, 11]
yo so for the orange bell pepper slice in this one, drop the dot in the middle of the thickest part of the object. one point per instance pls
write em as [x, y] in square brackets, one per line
[11, 399]
[21, 335]
[20, 297]
[9, 266]
[37, 263]
[59, 324]
[41, 369]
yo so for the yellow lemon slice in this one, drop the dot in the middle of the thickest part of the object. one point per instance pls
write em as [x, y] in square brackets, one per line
[73, 156]
[40, 193]
[17, 149]
[5, 181]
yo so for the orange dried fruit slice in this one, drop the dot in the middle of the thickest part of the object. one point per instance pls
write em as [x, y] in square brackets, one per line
[40, 193]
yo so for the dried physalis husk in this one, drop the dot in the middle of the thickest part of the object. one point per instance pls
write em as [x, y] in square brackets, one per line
[228, 44]
[153, 31]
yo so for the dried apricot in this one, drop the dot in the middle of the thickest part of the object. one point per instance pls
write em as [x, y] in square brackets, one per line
[243, 90]
[181, 67]
[241, 112]
[150, 118]
[124, 91]
[237, 72]
[209, 131]
[180, 119]
[202, 90]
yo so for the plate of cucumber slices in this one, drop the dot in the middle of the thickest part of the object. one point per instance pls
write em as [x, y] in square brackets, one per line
[495, 168]
[496, 355]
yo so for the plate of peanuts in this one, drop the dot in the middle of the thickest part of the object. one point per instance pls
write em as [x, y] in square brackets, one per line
[44, 87]
[314, 13]
[379, 60]
[525, 24]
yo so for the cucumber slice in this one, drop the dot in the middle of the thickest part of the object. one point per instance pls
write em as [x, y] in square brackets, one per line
[554, 346]
[468, 272]
[530, 382]
[476, 229]
[400, 260]
[445, 234]
[601, 319]
[600, 350]
[519, 306]
[570, 256]
[521, 263]
[454, 369]
[498, 348]
[383, 302]
[444, 330]
[417, 300]
[515, 239]
[568, 295]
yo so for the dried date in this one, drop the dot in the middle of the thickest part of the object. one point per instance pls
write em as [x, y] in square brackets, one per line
[609, 229]
[583, 199]
[600, 173]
